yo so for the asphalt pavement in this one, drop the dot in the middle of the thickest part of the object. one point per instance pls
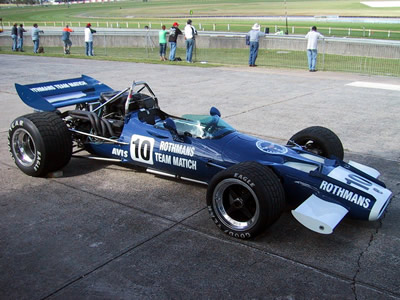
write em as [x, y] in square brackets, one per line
[104, 231]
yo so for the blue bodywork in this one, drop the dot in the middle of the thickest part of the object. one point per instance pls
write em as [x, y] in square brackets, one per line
[197, 147]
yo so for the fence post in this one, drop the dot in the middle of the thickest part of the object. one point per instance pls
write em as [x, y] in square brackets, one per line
[229, 27]
[107, 24]
[323, 54]
[214, 27]
[126, 24]
[105, 45]
[292, 29]
[200, 26]
[138, 25]
[97, 23]
[330, 31]
[349, 31]
[388, 33]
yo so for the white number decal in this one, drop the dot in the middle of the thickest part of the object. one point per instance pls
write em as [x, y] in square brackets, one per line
[142, 149]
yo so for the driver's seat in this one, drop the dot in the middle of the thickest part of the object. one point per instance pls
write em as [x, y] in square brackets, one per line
[151, 116]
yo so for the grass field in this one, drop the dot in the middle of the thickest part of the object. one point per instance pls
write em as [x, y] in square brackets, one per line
[137, 13]
[236, 57]
[176, 8]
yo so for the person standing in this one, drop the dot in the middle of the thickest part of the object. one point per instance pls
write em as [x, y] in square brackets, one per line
[65, 38]
[190, 33]
[254, 36]
[14, 36]
[20, 33]
[173, 37]
[312, 52]
[35, 37]
[162, 38]
[89, 39]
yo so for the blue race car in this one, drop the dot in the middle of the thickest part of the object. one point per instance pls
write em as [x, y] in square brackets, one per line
[249, 180]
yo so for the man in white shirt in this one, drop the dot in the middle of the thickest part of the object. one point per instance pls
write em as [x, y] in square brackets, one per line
[312, 37]
[190, 33]
[89, 39]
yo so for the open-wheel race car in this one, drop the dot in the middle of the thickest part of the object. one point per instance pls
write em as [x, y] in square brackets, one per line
[249, 179]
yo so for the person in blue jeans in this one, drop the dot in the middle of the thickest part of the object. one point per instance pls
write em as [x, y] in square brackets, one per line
[89, 39]
[172, 39]
[20, 33]
[312, 37]
[162, 38]
[14, 36]
[254, 36]
[190, 33]
[35, 37]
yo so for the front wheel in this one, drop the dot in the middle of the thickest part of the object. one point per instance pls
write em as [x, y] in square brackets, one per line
[319, 140]
[245, 199]
[39, 143]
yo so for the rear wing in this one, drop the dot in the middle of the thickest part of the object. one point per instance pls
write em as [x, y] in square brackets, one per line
[48, 96]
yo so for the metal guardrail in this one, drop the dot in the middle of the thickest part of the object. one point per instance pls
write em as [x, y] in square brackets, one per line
[365, 56]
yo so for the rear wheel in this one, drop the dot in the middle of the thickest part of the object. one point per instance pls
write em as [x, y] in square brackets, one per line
[40, 143]
[319, 140]
[245, 199]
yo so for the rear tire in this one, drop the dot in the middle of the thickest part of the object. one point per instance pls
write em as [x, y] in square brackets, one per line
[39, 143]
[245, 199]
[319, 140]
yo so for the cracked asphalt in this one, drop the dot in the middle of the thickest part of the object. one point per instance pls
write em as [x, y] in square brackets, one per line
[104, 231]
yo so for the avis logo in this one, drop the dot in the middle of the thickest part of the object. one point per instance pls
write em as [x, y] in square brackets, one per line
[120, 152]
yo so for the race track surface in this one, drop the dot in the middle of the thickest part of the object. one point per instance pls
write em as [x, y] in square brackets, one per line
[104, 231]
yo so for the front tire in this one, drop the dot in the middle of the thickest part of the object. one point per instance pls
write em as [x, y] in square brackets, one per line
[319, 140]
[39, 143]
[245, 199]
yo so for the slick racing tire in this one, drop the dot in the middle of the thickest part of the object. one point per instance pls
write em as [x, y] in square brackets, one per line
[319, 140]
[245, 199]
[39, 143]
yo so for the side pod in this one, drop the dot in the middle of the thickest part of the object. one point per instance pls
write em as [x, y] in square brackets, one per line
[319, 215]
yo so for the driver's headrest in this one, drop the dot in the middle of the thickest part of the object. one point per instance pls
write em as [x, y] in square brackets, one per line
[143, 101]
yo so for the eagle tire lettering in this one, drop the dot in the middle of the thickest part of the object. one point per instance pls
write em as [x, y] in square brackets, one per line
[243, 236]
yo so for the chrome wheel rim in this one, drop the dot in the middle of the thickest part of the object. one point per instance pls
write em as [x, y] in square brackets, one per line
[24, 147]
[236, 204]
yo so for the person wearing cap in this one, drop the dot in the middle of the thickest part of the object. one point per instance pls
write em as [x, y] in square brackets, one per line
[89, 39]
[174, 31]
[65, 38]
[312, 42]
[254, 35]
[190, 33]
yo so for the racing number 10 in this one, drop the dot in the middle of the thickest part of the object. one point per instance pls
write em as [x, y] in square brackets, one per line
[142, 149]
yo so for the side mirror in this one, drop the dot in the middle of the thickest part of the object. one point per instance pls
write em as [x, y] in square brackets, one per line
[170, 125]
[215, 112]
